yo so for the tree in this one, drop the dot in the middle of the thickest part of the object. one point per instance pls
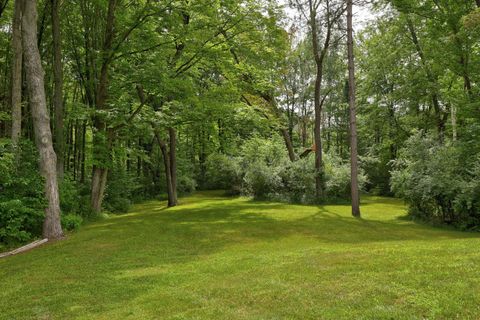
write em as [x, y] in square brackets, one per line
[16, 85]
[331, 12]
[353, 117]
[58, 90]
[52, 228]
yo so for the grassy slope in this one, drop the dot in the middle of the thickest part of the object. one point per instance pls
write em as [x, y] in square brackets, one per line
[218, 258]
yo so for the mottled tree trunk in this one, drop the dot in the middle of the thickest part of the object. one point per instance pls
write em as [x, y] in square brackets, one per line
[17, 73]
[99, 180]
[288, 144]
[353, 116]
[58, 91]
[99, 173]
[168, 170]
[173, 164]
[319, 55]
[52, 228]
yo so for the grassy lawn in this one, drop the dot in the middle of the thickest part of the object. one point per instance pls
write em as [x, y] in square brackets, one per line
[226, 258]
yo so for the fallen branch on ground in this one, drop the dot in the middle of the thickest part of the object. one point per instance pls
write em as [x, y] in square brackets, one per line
[27, 247]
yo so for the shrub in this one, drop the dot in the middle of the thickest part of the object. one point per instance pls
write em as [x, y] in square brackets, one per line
[262, 181]
[22, 201]
[436, 183]
[337, 176]
[120, 190]
[224, 172]
[71, 222]
[18, 222]
[70, 199]
[185, 184]
[299, 180]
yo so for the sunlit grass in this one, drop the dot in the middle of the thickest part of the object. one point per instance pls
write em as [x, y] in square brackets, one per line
[232, 258]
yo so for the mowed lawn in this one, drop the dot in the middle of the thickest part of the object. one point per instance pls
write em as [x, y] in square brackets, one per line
[233, 258]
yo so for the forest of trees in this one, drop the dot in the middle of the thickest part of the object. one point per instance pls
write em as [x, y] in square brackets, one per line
[104, 103]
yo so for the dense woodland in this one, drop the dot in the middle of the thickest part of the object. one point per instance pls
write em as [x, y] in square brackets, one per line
[104, 103]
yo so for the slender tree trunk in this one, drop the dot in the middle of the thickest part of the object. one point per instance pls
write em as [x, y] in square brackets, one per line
[319, 55]
[58, 91]
[453, 112]
[288, 144]
[173, 164]
[168, 170]
[82, 165]
[52, 228]
[17, 73]
[353, 119]
[99, 174]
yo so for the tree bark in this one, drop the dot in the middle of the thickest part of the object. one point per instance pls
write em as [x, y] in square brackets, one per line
[173, 164]
[58, 91]
[353, 117]
[453, 111]
[99, 174]
[168, 170]
[319, 55]
[52, 228]
[17, 73]
[288, 144]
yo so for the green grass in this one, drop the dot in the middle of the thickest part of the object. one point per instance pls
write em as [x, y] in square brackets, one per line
[225, 258]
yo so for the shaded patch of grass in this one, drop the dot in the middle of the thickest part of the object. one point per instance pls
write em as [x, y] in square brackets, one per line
[233, 258]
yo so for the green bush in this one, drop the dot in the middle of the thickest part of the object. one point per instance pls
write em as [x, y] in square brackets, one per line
[337, 177]
[262, 181]
[299, 180]
[224, 172]
[186, 184]
[18, 222]
[438, 181]
[71, 222]
[70, 199]
[120, 190]
[22, 201]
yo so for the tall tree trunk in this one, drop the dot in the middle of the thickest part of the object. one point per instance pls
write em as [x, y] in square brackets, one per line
[99, 174]
[58, 91]
[168, 170]
[173, 164]
[288, 144]
[17, 73]
[99, 179]
[319, 55]
[82, 161]
[52, 228]
[353, 116]
[453, 111]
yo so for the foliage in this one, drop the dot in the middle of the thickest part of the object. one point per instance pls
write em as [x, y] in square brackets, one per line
[71, 222]
[70, 197]
[264, 172]
[434, 181]
[21, 199]
[120, 190]
[18, 222]
[223, 172]
[337, 176]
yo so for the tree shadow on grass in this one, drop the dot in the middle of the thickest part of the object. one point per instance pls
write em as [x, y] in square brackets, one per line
[109, 263]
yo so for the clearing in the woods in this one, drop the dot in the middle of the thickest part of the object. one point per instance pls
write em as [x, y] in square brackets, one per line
[233, 258]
